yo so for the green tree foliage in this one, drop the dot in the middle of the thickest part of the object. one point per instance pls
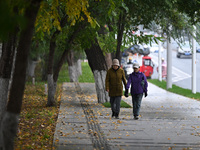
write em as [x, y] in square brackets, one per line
[11, 16]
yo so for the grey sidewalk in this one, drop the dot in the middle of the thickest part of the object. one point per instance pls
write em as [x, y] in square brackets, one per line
[168, 121]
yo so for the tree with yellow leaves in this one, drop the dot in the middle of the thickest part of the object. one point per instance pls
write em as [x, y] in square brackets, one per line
[29, 11]
[60, 18]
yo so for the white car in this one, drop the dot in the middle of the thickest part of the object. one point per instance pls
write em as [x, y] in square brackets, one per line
[184, 50]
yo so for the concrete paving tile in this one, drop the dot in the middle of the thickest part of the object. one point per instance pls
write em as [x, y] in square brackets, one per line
[167, 121]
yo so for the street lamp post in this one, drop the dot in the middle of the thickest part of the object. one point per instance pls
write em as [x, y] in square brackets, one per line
[194, 61]
[159, 56]
[169, 64]
[159, 62]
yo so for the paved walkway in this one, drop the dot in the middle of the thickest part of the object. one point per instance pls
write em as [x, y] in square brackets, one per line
[168, 122]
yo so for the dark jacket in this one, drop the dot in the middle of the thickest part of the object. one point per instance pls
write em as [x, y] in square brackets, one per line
[135, 80]
[114, 79]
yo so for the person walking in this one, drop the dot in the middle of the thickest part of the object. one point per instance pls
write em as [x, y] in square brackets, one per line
[139, 85]
[113, 83]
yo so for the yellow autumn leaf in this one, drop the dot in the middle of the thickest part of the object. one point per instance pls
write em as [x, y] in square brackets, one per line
[119, 121]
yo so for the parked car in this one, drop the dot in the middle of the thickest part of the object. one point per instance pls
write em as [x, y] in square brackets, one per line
[141, 49]
[184, 50]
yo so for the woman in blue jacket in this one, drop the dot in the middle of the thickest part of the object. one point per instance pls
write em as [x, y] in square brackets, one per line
[139, 84]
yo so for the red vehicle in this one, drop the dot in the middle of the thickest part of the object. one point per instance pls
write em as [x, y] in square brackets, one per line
[147, 66]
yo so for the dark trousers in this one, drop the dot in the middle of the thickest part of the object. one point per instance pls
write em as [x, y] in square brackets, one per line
[136, 100]
[115, 104]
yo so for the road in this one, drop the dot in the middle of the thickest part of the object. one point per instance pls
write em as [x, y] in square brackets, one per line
[181, 70]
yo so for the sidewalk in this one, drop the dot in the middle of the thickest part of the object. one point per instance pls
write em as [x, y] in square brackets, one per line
[168, 122]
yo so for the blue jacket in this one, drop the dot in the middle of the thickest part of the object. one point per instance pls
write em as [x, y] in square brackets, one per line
[135, 81]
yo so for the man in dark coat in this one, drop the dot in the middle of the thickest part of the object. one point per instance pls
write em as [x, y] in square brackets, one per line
[114, 78]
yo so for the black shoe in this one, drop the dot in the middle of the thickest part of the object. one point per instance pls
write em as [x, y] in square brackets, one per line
[116, 117]
[113, 114]
[136, 117]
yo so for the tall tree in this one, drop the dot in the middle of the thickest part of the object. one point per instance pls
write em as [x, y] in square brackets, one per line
[49, 22]
[8, 128]
[6, 63]
[53, 74]
[98, 66]
[51, 83]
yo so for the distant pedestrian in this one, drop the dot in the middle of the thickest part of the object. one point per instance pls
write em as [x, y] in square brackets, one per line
[139, 84]
[164, 68]
[114, 78]
[130, 61]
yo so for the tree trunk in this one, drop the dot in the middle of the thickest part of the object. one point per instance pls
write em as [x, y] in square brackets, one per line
[0, 50]
[72, 67]
[31, 68]
[53, 76]
[121, 23]
[10, 119]
[51, 100]
[8, 130]
[100, 77]
[79, 67]
[5, 71]
[108, 58]
[73, 73]
[67, 54]
[98, 66]
[51, 90]
[3, 96]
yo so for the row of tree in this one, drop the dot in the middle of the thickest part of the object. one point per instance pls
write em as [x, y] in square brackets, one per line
[60, 30]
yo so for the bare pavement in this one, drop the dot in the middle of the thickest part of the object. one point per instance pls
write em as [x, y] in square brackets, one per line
[168, 122]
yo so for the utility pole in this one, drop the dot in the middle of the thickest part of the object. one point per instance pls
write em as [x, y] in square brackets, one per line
[194, 61]
[159, 62]
[159, 31]
[169, 64]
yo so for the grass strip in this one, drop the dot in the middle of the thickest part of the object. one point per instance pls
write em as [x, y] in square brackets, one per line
[175, 89]
[123, 104]
[87, 75]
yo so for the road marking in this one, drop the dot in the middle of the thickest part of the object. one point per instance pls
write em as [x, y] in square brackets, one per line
[179, 75]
